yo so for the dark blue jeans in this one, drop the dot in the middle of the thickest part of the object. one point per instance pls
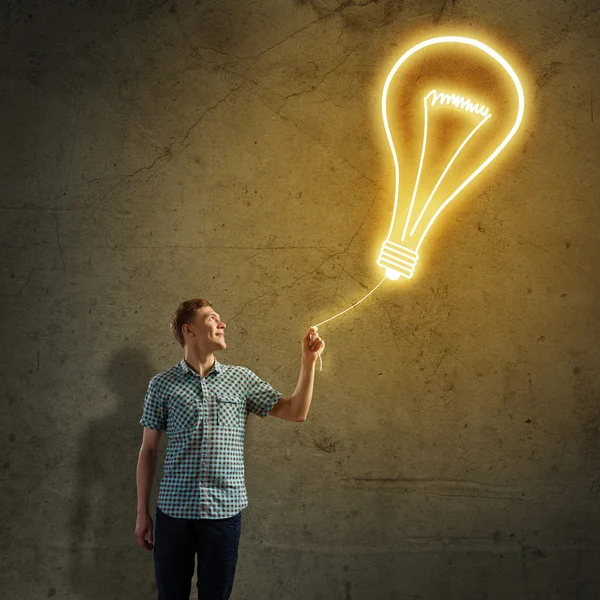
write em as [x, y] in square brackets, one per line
[176, 544]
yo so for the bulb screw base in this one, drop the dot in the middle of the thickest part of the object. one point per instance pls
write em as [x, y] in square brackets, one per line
[398, 261]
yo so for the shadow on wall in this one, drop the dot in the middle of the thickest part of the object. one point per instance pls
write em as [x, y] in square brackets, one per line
[105, 560]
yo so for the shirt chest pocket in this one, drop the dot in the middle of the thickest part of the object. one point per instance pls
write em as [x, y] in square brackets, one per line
[185, 413]
[231, 411]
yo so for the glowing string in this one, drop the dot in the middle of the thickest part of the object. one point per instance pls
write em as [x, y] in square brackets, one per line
[341, 313]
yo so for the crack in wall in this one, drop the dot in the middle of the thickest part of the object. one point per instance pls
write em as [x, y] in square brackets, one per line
[255, 56]
[168, 151]
[325, 147]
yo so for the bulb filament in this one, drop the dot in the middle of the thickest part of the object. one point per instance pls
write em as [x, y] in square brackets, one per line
[457, 101]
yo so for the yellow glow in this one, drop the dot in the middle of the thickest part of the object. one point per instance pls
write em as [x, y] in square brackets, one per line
[399, 257]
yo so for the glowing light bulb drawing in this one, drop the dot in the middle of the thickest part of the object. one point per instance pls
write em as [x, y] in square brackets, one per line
[399, 252]
[460, 93]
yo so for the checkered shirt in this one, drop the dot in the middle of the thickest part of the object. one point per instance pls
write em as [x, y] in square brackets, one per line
[205, 420]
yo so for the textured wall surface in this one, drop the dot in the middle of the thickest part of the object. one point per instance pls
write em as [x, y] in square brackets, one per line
[153, 152]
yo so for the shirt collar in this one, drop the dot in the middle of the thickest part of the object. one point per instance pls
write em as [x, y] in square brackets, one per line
[216, 368]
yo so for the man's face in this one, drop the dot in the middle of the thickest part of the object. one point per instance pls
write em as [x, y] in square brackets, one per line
[209, 330]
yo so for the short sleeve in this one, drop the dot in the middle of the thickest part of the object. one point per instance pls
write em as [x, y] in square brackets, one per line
[154, 414]
[261, 397]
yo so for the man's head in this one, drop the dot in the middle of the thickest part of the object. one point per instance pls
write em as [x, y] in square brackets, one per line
[196, 323]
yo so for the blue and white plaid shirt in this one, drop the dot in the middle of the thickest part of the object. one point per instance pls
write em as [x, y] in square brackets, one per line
[205, 420]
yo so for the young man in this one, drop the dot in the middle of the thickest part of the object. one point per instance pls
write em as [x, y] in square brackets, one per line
[203, 406]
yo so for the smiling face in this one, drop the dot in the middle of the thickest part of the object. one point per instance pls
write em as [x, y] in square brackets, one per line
[208, 330]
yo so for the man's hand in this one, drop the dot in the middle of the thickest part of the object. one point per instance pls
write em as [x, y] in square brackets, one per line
[145, 528]
[312, 346]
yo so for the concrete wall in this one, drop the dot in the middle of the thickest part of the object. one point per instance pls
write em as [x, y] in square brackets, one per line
[153, 152]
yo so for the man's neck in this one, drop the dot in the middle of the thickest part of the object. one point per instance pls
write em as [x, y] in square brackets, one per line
[202, 364]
